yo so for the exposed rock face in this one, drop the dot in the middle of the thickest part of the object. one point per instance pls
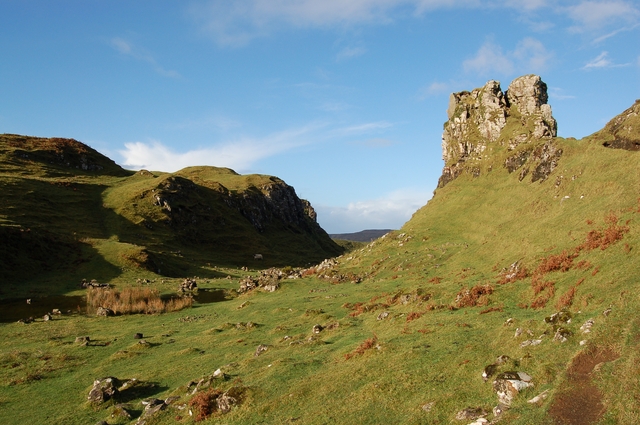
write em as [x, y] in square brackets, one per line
[486, 116]
[623, 130]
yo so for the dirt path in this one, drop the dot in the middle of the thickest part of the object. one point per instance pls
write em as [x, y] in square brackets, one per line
[580, 403]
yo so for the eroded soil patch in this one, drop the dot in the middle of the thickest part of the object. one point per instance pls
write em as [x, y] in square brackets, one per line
[581, 402]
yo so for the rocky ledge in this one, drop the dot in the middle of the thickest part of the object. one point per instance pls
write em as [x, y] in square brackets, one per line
[487, 117]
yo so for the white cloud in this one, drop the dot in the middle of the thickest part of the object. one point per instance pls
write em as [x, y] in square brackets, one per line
[239, 155]
[234, 23]
[527, 5]
[433, 89]
[530, 55]
[601, 61]
[370, 127]
[350, 52]
[388, 212]
[614, 33]
[488, 60]
[590, 15]
[557, 93]
[127, 48]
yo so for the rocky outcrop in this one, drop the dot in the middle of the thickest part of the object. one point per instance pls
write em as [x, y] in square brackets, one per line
[487, 117]
[623, 131]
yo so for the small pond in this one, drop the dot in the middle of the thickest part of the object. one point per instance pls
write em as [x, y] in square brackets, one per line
[14, 309]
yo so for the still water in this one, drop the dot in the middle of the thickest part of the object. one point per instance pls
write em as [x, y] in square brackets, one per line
[14, 309]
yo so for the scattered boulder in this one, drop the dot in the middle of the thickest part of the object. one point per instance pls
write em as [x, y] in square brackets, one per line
[105, 312]
[586, 327]
[317, 329]
[507, 385]
[562, 334]
[224, 403]
[122, 411]
[93, 284]
[103, 389]
[428, 406]
[188, 285]
[261, 349]
[530, 342]
[206, 382]
[383, 315]
[489, 371]
[47, 317]
[268, 280]
[138, 335]
[151, 407]
[83, 340]
[559, 317]
[540, 397]
[471, 413]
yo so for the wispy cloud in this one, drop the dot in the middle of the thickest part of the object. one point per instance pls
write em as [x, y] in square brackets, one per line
[433, 89]
[350, 52]
[557, 93]
[489, 59]
[127, 48]
[232, 23]
[390, 211]
[530, 55]
[592, 15]
[614, 33]
[240, 154]
[602, 61]
[365, 128]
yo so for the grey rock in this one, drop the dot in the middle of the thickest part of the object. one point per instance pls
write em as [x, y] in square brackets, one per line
[103, 389]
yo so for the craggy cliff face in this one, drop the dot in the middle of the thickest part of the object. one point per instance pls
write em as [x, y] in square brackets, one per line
[487, 116]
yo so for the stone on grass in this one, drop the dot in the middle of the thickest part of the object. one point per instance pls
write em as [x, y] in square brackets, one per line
[471, 413]
[105, 312]
[507, 385]
[83, 340]
[103, 389]
[261, 349]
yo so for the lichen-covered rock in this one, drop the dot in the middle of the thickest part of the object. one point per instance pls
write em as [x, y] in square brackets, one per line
[623, 131]
[508, 384]
[103, 389]
[486, 116]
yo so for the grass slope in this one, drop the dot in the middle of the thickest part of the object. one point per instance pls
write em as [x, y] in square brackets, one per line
[410, 320]
[69, 213]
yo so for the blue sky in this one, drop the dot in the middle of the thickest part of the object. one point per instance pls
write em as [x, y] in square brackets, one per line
[344, 100]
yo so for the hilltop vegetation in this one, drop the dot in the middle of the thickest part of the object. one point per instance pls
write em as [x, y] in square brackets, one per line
[528, 277]
[68, 210]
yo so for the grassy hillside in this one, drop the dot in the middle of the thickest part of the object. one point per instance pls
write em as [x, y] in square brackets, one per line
[408, 323]
[69, 213]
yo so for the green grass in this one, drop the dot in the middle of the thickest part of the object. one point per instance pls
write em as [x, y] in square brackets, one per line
[429, 350]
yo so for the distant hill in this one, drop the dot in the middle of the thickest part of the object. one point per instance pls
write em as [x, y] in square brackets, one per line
[362, 236]
[67, 209]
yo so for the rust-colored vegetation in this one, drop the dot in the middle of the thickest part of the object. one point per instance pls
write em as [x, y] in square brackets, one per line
[560, 262]
[413, 316]
[366, 345]
[205, 403]
[605, 237]
[476, 296]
